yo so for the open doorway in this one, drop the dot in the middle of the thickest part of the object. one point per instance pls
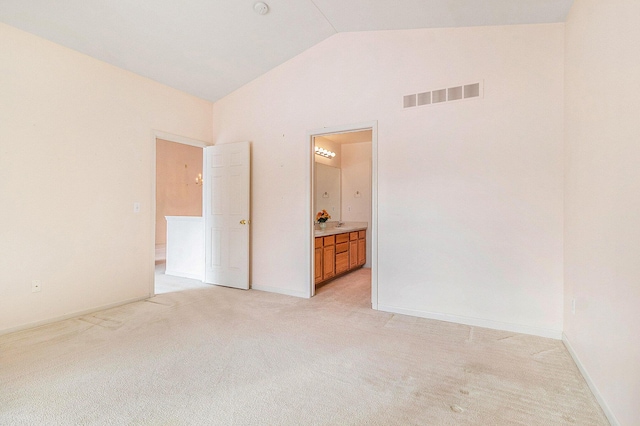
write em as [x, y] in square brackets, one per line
[344, 185]
[178, 201]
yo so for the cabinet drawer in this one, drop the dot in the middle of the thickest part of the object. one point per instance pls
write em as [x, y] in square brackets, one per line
[342, 262]
[353, 235]
[342, 247]
[318, 242]
[329, 241]
[362, 234]
[342, 238]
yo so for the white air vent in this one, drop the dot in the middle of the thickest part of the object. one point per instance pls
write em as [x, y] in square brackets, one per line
[424, 98]
[409, 101]
[439, 96]
[454, 93]
[472, 90]
[450, 94]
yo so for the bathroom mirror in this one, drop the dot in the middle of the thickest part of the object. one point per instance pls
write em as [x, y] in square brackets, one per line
[327, 191]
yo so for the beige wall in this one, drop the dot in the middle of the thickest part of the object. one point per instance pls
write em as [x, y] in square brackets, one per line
[76, 153]
[602, 211]
[470, 193]
[356, 178]
[177, 194]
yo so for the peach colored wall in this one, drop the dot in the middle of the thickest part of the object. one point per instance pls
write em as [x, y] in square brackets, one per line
[177, 194]
[76, 153]
[602, 211]
[470, 193]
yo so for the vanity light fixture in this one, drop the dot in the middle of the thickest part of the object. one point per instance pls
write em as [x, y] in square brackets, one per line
[325, 152]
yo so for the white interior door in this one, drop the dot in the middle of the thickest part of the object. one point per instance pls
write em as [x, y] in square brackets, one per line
[226, 213]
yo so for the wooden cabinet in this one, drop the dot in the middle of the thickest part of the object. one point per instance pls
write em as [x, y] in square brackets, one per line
[328, 262]
[318, 260]
[362, 247]
[342, 256]
[362, 251]
[353, 253]
[338, 254]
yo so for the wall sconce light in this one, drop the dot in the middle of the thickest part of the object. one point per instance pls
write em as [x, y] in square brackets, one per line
[199, 179]
[325, 152]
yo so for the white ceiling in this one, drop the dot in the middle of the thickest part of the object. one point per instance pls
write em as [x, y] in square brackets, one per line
[209, 48]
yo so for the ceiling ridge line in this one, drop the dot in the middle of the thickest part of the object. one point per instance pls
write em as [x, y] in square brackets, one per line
[324, 16]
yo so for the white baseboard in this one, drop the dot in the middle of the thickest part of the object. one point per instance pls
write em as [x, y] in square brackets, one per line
[284, 291]
[68, 316]
[605, 407]
[477, 322]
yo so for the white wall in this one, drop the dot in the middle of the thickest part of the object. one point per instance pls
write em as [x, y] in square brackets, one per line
[76, 152]
[470, 193]
[356, 187]
[602, 213]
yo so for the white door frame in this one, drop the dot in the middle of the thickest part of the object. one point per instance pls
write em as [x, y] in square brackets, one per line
[158, 134]
[373, 126]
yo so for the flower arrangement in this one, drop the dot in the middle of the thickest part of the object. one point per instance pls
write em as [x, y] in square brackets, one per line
[323, 216]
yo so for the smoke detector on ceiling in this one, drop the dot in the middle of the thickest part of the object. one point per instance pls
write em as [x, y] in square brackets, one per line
[261, 8]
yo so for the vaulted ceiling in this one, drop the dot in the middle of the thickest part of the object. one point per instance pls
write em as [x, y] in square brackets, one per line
[209, 48]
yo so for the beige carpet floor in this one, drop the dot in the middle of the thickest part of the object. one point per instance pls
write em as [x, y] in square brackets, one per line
[221, 356]
[168, 284]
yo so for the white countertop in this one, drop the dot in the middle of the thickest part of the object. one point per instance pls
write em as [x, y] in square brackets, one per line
[346, 227]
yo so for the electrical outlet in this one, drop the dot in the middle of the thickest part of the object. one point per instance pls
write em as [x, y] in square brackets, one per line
[36, 286]
[573, 306]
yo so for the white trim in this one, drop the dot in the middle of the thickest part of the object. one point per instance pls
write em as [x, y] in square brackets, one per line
[374, 215]
[155, 135]
[158, 134]
[69, 316]
[476, 322]
[311, 267]
[370, 125]
[594, 389]
[294, 293]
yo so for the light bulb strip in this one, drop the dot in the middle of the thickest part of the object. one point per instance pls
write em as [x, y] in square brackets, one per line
[324, 152]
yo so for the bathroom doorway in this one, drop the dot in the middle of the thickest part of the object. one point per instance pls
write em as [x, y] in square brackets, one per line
[344, 184]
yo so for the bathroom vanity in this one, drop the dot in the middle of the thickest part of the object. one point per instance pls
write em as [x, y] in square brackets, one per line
[339, 250]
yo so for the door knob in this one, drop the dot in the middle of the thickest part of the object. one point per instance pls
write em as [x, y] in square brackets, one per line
[243, 222]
